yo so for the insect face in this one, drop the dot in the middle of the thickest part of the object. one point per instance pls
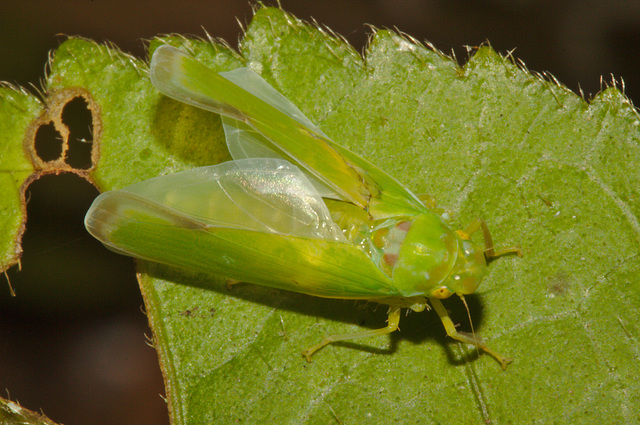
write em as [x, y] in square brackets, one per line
[435, 261]
[467, 273]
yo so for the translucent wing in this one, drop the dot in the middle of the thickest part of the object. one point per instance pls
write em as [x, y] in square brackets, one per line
[133, 225]
[245, 142]
[266, 195]
[254, 84]
[254, 220]
[243, 96]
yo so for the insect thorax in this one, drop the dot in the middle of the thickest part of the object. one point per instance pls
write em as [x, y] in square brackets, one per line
[419, 253]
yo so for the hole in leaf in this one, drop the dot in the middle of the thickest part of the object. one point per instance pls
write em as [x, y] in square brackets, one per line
[64, 269]
[48, 142]
[78, 118]
[75, 321]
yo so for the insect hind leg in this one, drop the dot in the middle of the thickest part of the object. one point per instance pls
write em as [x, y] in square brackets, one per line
[392, 325]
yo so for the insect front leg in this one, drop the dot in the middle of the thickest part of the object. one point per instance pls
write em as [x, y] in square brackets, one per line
[489, 250]
[467, 339]
[392, 325]
[428, 200]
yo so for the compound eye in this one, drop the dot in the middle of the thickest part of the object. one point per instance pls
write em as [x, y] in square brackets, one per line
[441, 293]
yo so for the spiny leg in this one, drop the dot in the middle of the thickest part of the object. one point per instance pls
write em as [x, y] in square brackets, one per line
[453, 333]
[392, 325]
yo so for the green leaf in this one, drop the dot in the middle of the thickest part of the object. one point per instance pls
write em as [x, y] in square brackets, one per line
[17, 109]
[13, 413]
[547, 171]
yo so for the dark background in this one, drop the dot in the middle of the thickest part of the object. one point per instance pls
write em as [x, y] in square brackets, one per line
[72, 340]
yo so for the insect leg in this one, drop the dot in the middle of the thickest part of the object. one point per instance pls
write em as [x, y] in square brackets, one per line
[467, 339]
[489, 251]
[428, 200]
[392, 325]
[230, 282]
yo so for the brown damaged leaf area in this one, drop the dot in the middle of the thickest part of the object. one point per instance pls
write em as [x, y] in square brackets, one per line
[63, 139]
[64, 136]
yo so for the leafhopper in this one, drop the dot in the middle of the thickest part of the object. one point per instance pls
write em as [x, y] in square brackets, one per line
[293, 210]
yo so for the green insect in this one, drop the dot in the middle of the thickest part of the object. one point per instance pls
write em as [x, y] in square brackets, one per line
[293, 210]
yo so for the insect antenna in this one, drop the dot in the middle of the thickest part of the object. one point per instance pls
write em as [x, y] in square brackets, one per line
[466, 306]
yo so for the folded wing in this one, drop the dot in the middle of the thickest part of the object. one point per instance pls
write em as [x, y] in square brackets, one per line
[268, 124]
[254, 220]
